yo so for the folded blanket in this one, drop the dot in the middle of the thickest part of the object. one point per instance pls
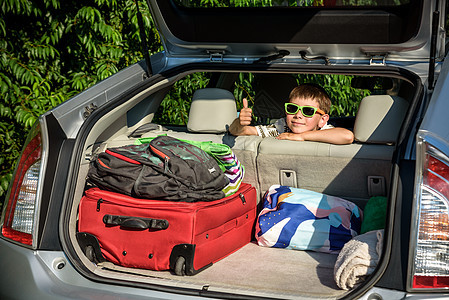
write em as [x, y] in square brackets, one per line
[358, 259]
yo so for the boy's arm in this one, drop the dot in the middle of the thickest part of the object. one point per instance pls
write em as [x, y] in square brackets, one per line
[338, 136]
[240, 126]
[237, 129]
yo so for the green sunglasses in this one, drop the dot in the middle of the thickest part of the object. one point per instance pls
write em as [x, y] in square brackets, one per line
[307, 111]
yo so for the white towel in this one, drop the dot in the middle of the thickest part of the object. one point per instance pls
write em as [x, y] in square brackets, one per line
[358, 258]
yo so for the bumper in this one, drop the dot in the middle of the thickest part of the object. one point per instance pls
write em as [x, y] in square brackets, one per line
[28, 274]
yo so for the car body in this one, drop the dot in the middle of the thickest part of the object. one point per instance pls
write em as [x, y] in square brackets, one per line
[403, 43]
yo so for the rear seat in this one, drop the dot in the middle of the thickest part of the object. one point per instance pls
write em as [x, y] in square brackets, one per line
[357, 171]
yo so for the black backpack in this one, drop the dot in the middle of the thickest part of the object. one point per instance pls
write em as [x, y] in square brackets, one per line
[166, 168]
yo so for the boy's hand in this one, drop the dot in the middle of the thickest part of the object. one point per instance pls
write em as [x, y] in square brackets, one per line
[241, 125]
[290, 136]
[245, 114]
[337, 136]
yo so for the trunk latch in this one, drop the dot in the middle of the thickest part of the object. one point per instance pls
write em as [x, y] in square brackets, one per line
[89, 109]
[216, 55]
[378, 59]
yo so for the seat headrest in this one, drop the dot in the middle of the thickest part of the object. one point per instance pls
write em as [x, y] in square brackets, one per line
[379, 119]
[212, 111]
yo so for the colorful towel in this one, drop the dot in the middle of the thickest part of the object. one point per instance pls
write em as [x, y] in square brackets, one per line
[299, 219]
[225, 158]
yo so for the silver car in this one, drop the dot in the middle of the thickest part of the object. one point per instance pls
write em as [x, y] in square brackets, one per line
[393, 49]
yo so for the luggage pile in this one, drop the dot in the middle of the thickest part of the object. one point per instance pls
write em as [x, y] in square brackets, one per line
[165, 205]
[170, 204]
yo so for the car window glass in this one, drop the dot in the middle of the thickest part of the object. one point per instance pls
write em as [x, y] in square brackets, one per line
[267, 93]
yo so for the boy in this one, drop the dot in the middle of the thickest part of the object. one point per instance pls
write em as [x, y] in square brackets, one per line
[307, 113]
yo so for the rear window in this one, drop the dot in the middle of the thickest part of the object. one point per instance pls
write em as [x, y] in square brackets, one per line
[364, 22]
[289, 3]
[266, 93]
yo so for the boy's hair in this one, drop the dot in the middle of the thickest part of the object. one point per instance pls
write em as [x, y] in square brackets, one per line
[315, 92]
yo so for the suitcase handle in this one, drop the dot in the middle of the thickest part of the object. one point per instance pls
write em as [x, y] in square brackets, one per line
[135, 222]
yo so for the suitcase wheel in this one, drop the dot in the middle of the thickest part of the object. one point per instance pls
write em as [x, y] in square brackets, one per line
[180, 266]
[90, 246]
[90, 253]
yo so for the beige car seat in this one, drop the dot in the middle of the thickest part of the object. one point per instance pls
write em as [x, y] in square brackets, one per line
[212, 111]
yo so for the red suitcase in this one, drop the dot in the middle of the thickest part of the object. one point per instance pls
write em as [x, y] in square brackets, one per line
[162, 235]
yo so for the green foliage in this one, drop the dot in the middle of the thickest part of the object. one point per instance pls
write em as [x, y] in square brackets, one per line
[345, 99]
[244, 89]
[174, 110]
[50, 50]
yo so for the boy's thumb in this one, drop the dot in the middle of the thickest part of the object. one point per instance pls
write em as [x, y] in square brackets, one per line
[245, 103]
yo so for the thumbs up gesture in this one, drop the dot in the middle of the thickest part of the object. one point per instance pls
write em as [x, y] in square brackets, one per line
[245, 114]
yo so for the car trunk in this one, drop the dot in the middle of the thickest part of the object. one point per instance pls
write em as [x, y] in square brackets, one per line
[251, 271]
[353, 172]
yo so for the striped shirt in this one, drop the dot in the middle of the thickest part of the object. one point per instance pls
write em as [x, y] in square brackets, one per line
[280, 126]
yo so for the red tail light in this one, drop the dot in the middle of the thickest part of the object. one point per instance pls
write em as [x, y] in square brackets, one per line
[19, 213]
[431, 259]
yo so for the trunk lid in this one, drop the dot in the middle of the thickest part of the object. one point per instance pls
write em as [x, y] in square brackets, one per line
[386, 30]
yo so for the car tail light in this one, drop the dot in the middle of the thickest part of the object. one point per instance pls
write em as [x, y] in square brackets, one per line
[431, 256]
[20, 208]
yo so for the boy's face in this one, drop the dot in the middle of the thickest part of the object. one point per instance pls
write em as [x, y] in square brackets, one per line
[298, 123]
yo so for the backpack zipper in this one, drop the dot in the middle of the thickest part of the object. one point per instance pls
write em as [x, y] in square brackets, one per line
[122, 157]
[166, 158]
[161, 155]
